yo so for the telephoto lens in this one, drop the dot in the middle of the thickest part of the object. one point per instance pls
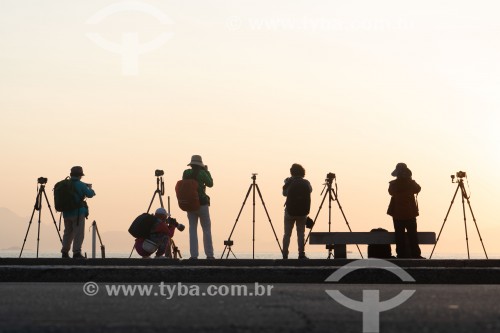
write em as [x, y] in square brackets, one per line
[176, 224]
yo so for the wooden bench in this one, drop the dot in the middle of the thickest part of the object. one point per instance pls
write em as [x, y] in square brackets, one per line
[339, 240]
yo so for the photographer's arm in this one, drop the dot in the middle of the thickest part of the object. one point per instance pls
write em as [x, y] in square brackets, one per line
[206, 178]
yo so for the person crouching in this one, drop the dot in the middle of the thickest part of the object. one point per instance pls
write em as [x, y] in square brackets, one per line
[159, 238]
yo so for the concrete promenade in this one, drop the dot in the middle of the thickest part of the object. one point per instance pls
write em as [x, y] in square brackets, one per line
[241, 271]
[105, 295]
[302, 308]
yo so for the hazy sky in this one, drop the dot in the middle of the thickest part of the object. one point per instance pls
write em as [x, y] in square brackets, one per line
[254, 86]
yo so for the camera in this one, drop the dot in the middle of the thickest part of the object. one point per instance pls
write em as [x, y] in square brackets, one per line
[42, 180]
[309, 223]
[461, 174]
[179, 226]
[329, 177]
[159, 173]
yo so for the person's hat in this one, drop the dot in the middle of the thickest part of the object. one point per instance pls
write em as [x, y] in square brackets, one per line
[196, 160]
[161, 211]
[77, 171]
[401, 171]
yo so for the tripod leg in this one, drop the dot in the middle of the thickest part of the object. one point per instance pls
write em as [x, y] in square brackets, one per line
[52, 214]
[445, 218]
[269, 218]
[27, 231]
[345, 218]
[465, 222]
[315, 218]
[477, 228]
[153, 198]
[237, 218]
[161, 200]
[39, 223]
[130, 256]
[253, 220]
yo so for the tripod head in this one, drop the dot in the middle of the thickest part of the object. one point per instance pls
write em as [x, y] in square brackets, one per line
[254, 176]
[42, 180]
[460, 177]
[330, 177]
[160, 184]
[328, 181]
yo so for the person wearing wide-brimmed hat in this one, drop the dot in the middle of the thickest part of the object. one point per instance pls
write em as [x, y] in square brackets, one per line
[74, 220]
[199, 172]
[404, 211]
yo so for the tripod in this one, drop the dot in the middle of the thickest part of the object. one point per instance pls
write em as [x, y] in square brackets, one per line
[38, 206]
[461, 187]
[332, 196]
[229, 242]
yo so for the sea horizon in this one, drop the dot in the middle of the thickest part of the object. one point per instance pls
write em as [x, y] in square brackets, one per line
[244, 255]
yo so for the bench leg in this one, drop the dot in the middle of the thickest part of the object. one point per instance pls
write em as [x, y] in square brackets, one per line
[340, 251]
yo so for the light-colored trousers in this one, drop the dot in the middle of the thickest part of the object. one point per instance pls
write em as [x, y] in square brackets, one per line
[204, 215]
[290, 221]
[74, 232]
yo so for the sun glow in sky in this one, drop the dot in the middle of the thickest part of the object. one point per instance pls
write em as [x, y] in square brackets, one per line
[346, 87]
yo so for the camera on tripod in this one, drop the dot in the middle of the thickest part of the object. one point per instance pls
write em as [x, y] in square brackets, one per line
[330, 177]
[179, 226]
[159, 173]
[459, 175]
[42, 180]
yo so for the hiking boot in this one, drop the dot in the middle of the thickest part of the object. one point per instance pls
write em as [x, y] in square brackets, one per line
[210, 258]
[78, 255]
[285, 254]
[65, 255]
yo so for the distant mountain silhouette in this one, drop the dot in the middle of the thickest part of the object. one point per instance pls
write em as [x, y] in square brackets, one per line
[13, 230]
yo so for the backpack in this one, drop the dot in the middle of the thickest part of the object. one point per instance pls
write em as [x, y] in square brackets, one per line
[142, 225]
[186, 191]
[382, 251]
[65, 196]
[298, 199]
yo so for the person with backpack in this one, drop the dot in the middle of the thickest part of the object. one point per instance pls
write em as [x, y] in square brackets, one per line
[74, 219]
[159, 236]
[200, 173]
[298, 203]
[404, 211]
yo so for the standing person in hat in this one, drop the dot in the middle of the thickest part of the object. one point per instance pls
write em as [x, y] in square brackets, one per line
[200, 173]
[74, 220]
[404, 211]
[158, 239]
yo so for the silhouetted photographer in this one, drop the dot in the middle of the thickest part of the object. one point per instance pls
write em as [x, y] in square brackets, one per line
[403, 208]
[298, 204]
